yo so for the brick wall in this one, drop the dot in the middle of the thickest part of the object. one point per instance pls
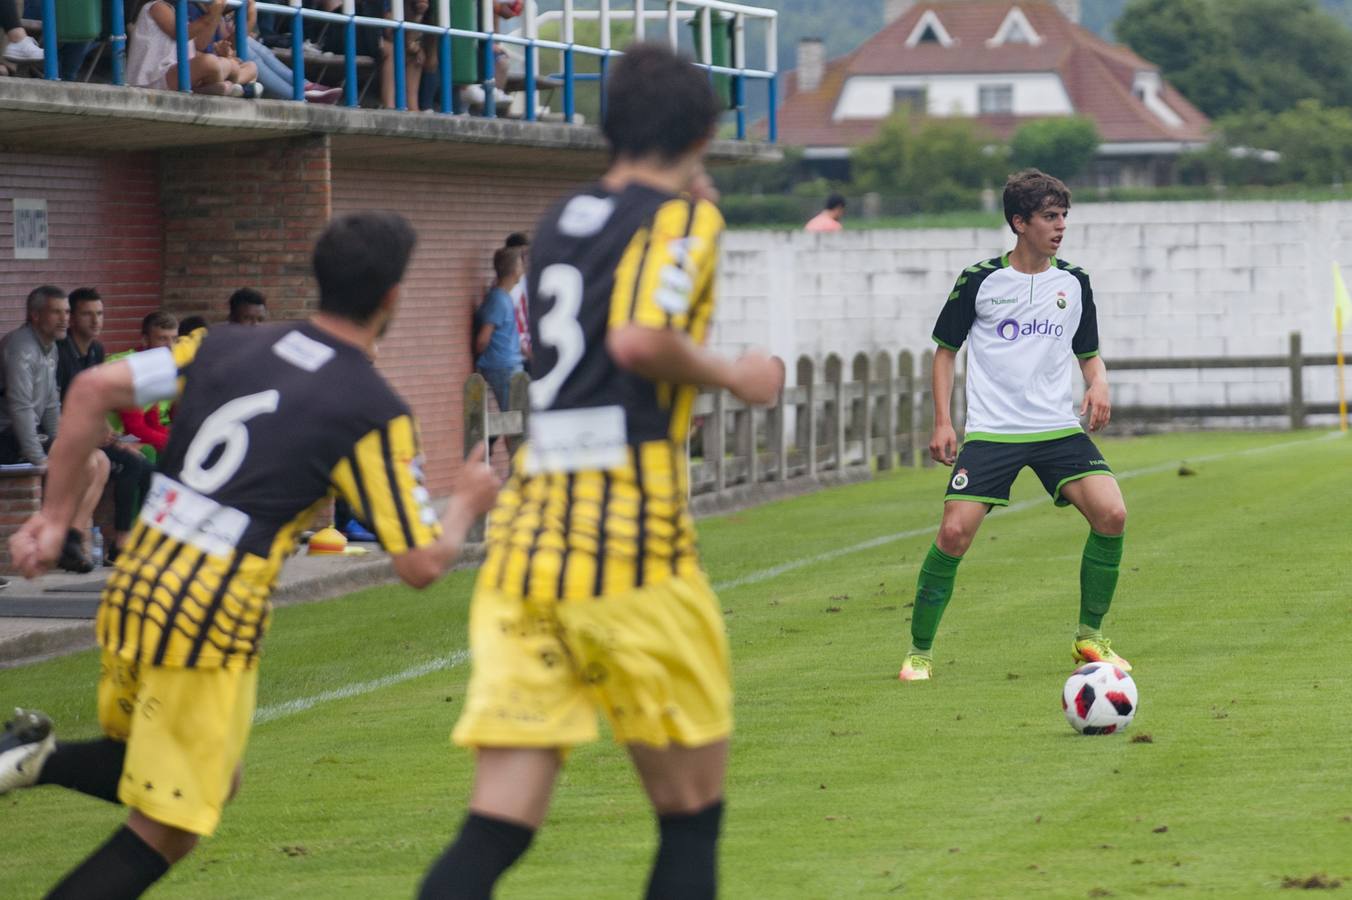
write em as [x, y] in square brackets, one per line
[105, 231]
[243, 215]
[20, 497]
[461, 219]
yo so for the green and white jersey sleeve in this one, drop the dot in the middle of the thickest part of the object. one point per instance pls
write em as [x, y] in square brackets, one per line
[1023, 334]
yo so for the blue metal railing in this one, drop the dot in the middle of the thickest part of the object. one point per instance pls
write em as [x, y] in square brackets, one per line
[403, 31]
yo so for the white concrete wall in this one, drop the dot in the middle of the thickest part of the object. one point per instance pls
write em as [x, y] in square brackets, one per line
[1035, 94]
[1170, 279]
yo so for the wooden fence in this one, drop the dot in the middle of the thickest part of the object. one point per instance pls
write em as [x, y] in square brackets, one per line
[874, 415]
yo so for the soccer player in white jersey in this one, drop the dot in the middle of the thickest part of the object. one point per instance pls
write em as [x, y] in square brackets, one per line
[1028, 318]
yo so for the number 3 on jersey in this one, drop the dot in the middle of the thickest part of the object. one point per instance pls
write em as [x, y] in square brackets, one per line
[559, 329]
[224, 428]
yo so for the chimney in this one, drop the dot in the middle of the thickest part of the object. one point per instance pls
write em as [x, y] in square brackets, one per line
[895, 9]
[811, 63]
[1070, 9]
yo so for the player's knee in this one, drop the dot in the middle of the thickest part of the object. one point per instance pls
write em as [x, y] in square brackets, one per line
[1112, 521]
[954, 537]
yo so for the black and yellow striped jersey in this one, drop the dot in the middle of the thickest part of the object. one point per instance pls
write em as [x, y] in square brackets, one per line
[271, 421]
[596, 503]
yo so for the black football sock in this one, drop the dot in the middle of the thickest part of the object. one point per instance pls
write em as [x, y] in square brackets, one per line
[90, 767]
[686, 867]
[122, 869]
[485, 848]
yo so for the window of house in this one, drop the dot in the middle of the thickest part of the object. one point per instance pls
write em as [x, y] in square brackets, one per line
[914, 97]
[995, 99]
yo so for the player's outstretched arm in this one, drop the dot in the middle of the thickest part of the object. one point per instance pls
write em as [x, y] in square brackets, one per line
[662, 354]
[1097, 402]
[92, 395]
[472, 495]
[943, 445]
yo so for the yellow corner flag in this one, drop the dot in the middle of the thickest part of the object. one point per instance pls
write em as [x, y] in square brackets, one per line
[1342, 303]
[1342, 317]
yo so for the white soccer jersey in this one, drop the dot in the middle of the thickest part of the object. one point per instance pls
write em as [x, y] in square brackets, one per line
[1024, 332]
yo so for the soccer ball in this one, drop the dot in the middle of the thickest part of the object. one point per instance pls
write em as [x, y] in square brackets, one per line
[1099, 698]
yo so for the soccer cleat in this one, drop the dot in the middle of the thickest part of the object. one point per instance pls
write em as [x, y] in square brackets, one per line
[916, 667]
[1097, 648]
[25, 744]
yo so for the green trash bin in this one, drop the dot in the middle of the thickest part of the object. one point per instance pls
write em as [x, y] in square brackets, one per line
[465, 51]
[720, 51]
[78, 20]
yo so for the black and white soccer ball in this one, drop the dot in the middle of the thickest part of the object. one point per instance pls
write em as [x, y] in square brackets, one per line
[1099, 698]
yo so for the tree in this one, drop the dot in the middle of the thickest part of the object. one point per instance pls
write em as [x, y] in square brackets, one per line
[1229, 56]
[1063, 146]
[1314, 142]
[936, 163]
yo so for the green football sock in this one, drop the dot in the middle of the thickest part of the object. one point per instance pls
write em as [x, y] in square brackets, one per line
[932, 592]
[1098, 577]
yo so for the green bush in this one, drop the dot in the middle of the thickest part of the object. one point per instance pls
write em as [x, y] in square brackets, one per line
[1063, 147]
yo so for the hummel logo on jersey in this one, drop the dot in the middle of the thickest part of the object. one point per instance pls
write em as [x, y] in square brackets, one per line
[1012, 329]
[1001, 301]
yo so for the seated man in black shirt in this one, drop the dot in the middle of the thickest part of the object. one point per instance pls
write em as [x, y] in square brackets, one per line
[129, 471]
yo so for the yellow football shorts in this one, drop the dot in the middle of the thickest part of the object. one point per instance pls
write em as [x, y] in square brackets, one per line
[654, 660]
[185, 731]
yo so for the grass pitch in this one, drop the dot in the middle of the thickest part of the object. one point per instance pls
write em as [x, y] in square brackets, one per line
[1235, 605]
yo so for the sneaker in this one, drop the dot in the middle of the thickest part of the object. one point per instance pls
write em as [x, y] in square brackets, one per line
[356, 531]
[252, 91]
[319, 93]
[916, 667]
[25, 744]
[73, 557]
[26, 50]
[1097, 648]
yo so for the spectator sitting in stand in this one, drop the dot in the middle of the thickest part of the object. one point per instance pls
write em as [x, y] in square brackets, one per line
[32, 408]
[152, 58]
[128, 470]
[829, 218]
[151, 425]
[248, 307]
[415, 56]
[275, 76]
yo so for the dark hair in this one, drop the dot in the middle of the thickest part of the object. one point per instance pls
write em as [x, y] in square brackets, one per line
[246, 297]
[517, 239]
[158, 319]
[505, 261]
[190, 324]
[835, 201]
[657, 103]
[358, 258]
[1029, 192]
[82, 295]
[38, 297]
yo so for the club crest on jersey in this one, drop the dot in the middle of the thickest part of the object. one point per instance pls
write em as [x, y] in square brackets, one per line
[960, 480]
[1060, 299]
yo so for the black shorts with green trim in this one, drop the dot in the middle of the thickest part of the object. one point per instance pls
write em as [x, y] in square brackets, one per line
[985, 470]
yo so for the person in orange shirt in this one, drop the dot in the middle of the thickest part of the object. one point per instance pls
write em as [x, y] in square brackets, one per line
[829, 218]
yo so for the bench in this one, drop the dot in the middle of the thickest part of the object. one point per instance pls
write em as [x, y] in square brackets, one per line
[20, 497]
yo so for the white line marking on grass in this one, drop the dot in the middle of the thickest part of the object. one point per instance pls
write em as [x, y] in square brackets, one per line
[793, 565]
[292, 707]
